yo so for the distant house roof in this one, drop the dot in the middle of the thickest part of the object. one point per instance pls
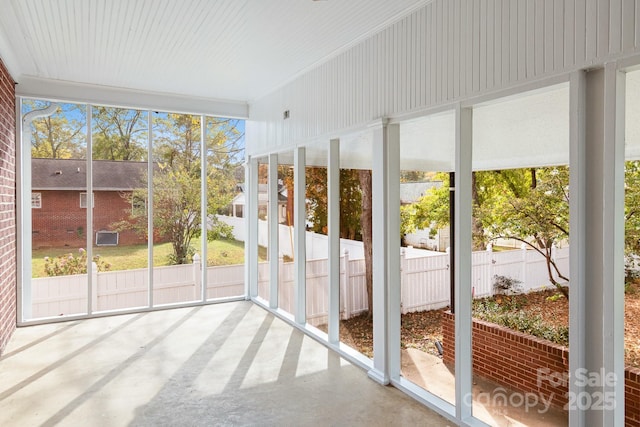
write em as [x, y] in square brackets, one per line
[263, 196]
[411, 192]
[71, 174]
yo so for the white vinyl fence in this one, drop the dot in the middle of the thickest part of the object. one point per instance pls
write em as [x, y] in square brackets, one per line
[424, 284]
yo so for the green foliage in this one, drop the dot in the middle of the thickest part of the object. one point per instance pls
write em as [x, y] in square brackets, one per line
[632, 207]
[177, 181]
[490, 311]
[219, 230]
[68, 264]
[555, 297]
[60, 135]
[119, 134]
[350, 202]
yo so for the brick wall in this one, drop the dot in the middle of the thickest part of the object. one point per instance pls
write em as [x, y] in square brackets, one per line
[513, 359]
[60, 221]
[8, 287]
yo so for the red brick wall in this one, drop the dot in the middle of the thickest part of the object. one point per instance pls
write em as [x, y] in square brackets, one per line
[513, 359]
[61, 222]
[8, 287]
[632, 397]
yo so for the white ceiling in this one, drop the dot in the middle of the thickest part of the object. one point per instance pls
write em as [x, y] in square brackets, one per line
[234, 50]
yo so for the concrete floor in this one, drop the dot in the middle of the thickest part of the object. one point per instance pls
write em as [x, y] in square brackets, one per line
[226, 364]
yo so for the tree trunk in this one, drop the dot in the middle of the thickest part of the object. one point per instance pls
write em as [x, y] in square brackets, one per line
[477, 228]
[367, 232]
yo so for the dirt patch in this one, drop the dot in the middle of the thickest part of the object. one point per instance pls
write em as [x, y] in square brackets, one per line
[421, 330]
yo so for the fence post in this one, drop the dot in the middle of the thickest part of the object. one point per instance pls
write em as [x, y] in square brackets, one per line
[403, 276]
[346, 285]
[197, 277]
[94, 287]
[490, 270]
[284, 303]
[523, 275]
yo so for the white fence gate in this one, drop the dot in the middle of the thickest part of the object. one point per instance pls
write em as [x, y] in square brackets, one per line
[424, 284]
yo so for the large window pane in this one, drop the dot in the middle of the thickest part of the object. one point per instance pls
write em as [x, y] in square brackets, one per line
[176, 208]
[427, 157]
[120, 214]
[226, 199]
[59, 203]
[520, 272]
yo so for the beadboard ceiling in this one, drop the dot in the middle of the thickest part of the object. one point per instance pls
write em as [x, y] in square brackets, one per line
[236, 50]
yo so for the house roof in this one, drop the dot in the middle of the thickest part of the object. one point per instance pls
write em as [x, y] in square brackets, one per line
[71, 174]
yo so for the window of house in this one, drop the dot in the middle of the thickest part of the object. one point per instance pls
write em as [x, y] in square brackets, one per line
[138, 206]
[83, 200]
[36, 200]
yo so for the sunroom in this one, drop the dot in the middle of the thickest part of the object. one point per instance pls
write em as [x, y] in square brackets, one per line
[312, 111]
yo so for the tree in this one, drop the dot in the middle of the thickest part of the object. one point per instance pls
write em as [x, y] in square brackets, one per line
[177, 180]
[119, 134]
[350, 201]
[367, 232]
[529, 205]
[60, 135]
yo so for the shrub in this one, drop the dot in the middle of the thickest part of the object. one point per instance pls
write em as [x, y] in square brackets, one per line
[490, 311]
[69, 264]
[505, 285]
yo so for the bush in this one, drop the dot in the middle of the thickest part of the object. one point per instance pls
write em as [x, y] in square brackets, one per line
[68, 264]
[505, 285]
[219, 230]
[490, 311]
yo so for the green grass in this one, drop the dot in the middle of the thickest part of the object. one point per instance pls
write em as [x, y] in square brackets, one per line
[219, 252]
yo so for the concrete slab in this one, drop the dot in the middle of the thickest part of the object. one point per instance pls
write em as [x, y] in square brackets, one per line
[493, 404]
[226, 364]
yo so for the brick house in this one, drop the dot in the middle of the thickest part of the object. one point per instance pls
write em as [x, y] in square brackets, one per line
[59, 201]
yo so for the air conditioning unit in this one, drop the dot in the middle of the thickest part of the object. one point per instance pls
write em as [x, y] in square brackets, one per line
[107, 238]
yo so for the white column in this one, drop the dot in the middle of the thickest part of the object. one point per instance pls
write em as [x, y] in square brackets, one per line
[149, 209]
[392, 245]
[463, 242]
[380, 226]
[333, 225]
[300, 233]
[251, 218]
[89, 227]
[273, 231]
[597, 246]
[204, 214]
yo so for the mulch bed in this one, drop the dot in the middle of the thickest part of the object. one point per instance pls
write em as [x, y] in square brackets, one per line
[421, 330]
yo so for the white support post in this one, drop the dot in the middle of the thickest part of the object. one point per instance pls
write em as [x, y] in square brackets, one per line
[333, 222]
[578, 235]
[150, 209]
[463, 262]
[613, 227]
[251, 218]
[380, 226]
[90, 237]
[392, 246]
[300, 233]
[273, 231]
[597, 256]
[204, 214]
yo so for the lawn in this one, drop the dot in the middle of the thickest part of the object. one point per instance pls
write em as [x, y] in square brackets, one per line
[219, 252]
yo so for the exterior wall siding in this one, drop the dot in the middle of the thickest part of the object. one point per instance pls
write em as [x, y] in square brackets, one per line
[447, 51]
[8, 274]
[62, 222]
